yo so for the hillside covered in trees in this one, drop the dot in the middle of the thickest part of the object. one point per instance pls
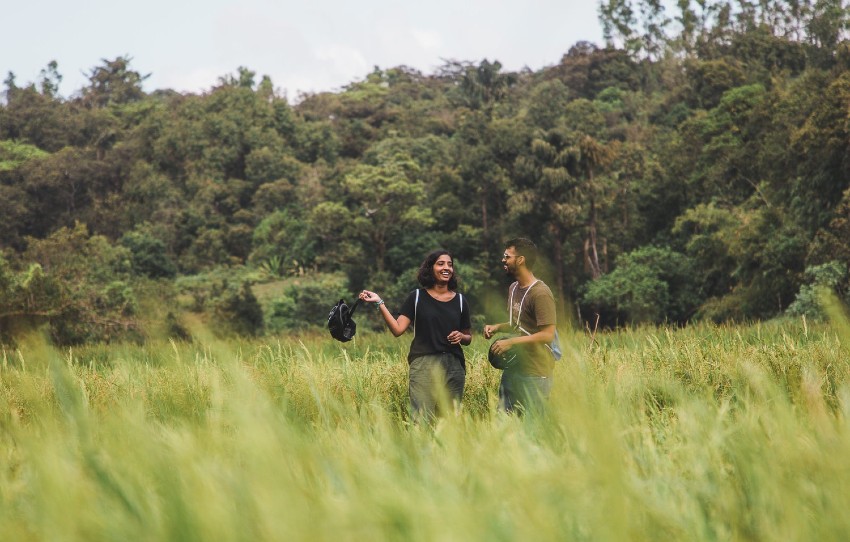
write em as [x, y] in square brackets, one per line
[696, 166]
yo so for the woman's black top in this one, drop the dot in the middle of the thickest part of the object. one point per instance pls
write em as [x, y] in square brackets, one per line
[432, 321]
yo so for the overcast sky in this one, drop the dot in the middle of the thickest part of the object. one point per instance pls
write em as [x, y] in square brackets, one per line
[304, 45]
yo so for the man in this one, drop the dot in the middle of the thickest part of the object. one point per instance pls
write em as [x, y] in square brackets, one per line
[526, 385]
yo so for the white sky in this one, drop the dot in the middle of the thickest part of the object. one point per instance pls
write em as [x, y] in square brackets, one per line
[303, 45]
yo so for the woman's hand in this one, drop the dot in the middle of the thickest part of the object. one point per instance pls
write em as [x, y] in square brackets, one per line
[369, 297]
[457, 337]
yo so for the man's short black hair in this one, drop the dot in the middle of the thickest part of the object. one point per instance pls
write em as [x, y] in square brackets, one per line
[425, 276]
[524, 247]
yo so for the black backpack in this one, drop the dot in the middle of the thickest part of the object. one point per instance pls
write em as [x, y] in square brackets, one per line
[340, 324]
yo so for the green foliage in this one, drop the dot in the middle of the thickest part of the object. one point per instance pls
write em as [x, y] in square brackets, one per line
[708, 231]
[829, 277]
[588, 70]
[547, 103]
[265, 165]
[114, 83]
[148, 254]
[235, 310]
[386, 200]
[429, 152]
[648, 285]
[747, 263]
[283, 237]
[331, 224]
[712, 78]
[723, 136]
[304, 302]
[770, 253]
[32, 118]
[78, 290]
[13, 154]
[222, 299]
[317, 141]
[725, 141]
[821, 157]
[481, 86]
[830, 242]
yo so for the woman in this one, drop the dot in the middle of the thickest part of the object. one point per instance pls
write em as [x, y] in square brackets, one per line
[441, 324]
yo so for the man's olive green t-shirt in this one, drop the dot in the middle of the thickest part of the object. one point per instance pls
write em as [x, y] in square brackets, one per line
[538, 311]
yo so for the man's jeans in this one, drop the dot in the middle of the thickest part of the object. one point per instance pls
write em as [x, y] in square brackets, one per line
[523, 393]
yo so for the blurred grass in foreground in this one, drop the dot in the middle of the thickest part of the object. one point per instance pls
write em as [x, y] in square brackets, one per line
[706, 433]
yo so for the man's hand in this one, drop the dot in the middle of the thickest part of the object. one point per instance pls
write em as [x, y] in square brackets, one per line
[490, 330]
[501, 346]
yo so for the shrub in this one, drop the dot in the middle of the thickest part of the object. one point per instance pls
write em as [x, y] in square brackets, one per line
[829, 276]
[236, 310]
[305, 301]
[650, 284]
[148, 255]
[75, 285]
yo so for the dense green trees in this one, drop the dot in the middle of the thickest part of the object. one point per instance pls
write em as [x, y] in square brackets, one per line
[694, 167]
[74, 284]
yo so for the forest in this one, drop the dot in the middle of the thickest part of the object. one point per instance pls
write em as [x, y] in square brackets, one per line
[694, 167]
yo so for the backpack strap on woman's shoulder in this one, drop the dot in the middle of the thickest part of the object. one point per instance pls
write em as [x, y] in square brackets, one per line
[415, 309]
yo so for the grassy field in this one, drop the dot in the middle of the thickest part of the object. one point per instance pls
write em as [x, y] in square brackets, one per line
[706, 433]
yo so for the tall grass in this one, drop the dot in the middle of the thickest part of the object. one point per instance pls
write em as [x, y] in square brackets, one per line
[706, 433]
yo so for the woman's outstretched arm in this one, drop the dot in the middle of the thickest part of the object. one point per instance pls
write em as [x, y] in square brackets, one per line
[397, 327]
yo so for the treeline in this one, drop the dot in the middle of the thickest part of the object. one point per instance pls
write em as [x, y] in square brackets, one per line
[695, 167]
